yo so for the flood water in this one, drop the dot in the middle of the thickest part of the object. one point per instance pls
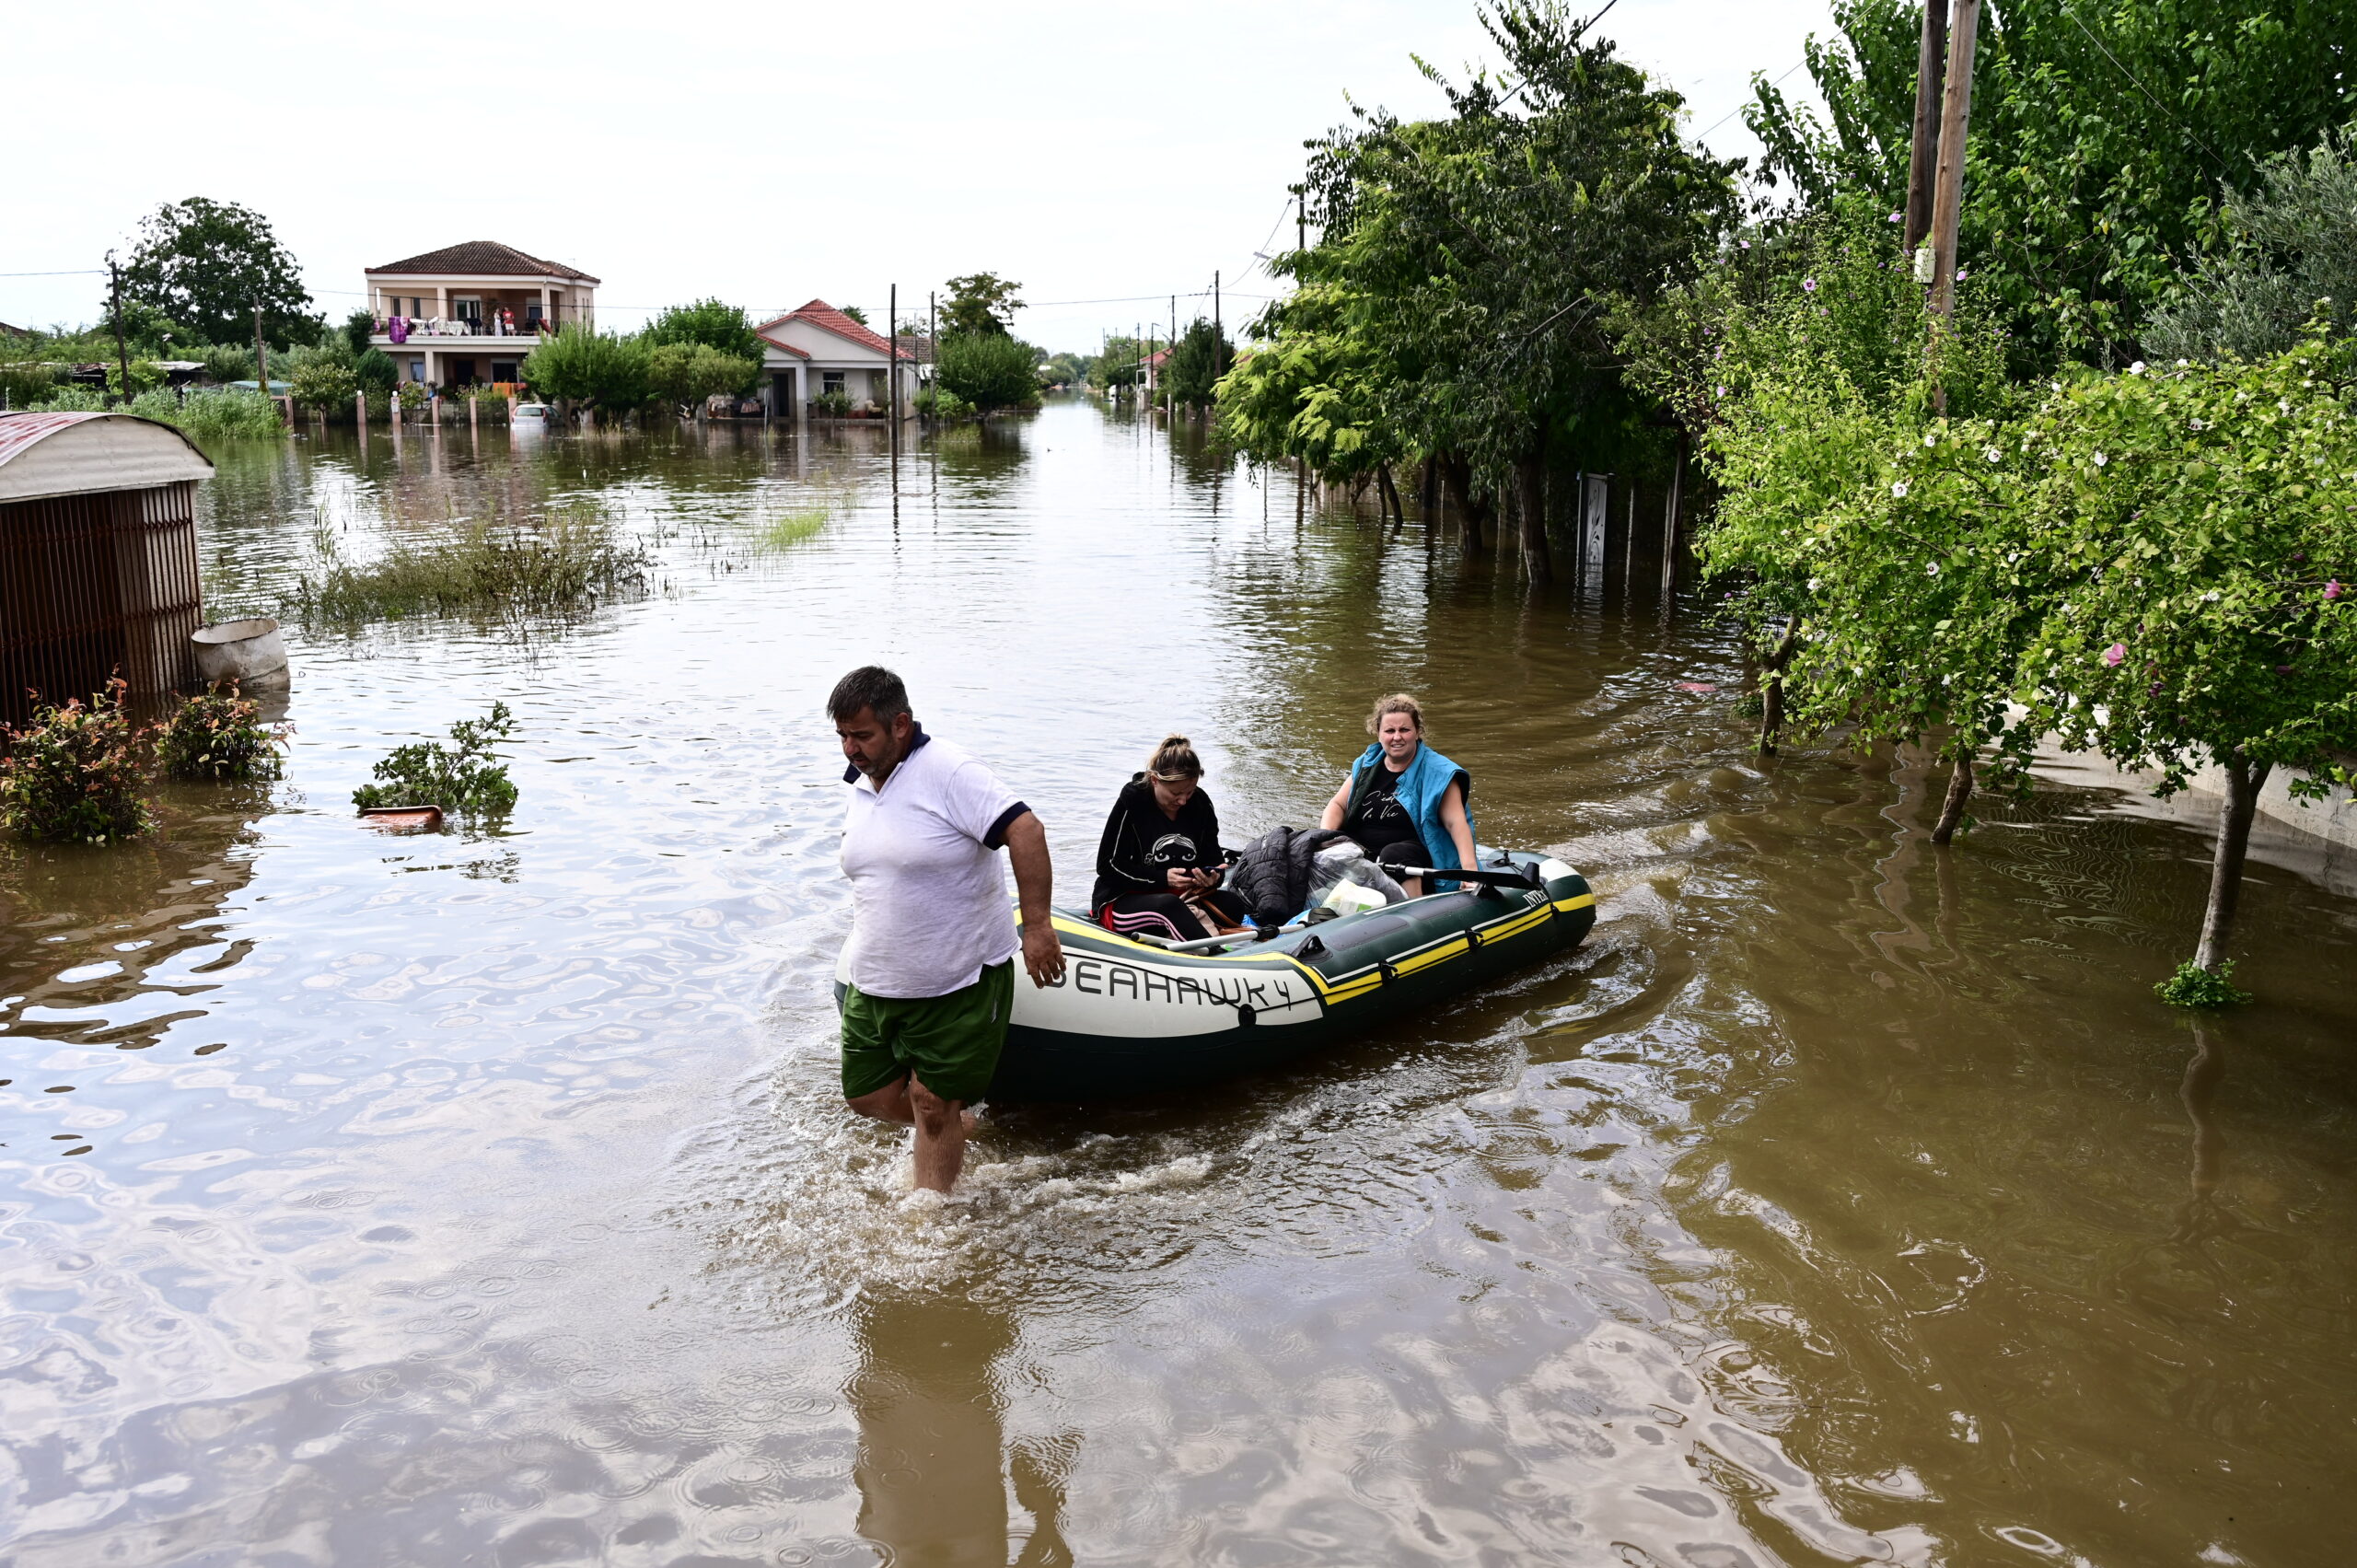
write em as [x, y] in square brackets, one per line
[487, 1198]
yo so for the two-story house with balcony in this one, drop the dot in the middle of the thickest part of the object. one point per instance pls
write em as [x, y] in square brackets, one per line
[468, 314]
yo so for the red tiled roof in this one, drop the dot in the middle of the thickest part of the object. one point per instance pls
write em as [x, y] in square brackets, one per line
[797, 353]
[820, 314]
[482, 258]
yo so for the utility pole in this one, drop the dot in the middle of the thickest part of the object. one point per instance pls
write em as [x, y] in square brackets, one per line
[1218, 333]
[1169, 397]
[1923, 161]
[1955, 114]
[121, 350]
[933, 346]
[261, 356]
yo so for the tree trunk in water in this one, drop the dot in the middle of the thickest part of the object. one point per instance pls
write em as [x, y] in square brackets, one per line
[1391, 497]
[1952, 809]
[1530, 478]
[1771, 700]
[2243, 781]
[1428, 491]
[1459, 475]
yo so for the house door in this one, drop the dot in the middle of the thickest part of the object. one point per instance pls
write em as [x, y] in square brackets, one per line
[462, 373]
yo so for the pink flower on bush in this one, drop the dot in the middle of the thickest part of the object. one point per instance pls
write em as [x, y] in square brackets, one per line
[1809, 284]
[2332, 590]
[2114, 654]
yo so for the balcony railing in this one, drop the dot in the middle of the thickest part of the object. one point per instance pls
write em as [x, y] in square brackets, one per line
[411, 328]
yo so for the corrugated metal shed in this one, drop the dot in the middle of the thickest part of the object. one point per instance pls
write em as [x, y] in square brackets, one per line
[97, 556]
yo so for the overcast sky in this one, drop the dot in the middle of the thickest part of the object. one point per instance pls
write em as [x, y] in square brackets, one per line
[766, 153]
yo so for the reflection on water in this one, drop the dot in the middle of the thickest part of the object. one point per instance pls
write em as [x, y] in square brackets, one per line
[934, 1464]
[486, 1197]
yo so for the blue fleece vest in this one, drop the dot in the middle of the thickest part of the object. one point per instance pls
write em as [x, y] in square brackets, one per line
[1420, 789]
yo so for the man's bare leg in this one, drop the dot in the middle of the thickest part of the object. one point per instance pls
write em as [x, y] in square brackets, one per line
[890, 1103]
[940, 1137]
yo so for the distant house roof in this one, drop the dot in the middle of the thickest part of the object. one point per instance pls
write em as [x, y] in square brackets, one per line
[1157, 356]
[8, 330]
[825, 317]
[484, 258]
[76, 454]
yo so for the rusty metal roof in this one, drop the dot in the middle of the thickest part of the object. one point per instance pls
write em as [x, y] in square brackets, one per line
[103, 451]
[482, 258]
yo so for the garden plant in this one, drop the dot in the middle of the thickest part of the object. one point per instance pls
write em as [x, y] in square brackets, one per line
[464, 777]
[218, 736]
[78, 773]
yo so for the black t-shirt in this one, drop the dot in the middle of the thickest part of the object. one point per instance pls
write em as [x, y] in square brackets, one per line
[1379, 819]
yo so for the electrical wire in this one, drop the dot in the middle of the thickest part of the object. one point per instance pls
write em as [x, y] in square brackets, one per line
[1739, 107]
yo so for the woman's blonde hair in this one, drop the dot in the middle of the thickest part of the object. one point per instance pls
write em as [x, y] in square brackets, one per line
[1398, 702]
[1174, 759]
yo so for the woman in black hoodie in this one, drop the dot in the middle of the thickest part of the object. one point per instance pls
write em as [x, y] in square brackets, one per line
[1158, 867]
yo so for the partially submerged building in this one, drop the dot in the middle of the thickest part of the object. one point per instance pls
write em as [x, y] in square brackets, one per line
[467, 314]
[98, 557]
[816, 349]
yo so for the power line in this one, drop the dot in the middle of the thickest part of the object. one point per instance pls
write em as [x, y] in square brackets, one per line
[69, 273]
[2141, 87]
[1739, 107]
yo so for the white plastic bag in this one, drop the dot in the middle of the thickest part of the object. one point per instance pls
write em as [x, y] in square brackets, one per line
[1344, 880]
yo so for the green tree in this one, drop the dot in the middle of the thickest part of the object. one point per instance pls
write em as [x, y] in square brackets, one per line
[685, 373]
[981, 304]
[358, 327]
[1196, 361]
[1479, 256]
[208, 264]
[2197, 531]
[2101, 140]
[989, 370]
[724, 327]
[1119, 363]
[854, 312]
[581, 364]
[326, 384]
[2290, 252]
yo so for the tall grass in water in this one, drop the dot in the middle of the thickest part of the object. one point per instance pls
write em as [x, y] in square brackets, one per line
[569, 561]
[790, 528]
[212, 413]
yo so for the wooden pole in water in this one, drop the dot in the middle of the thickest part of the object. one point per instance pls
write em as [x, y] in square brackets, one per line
[1669, 521]
[121, 348]
[892, 372]
[1923, 160]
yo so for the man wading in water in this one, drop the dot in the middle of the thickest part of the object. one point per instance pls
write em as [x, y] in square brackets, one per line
[930, 959]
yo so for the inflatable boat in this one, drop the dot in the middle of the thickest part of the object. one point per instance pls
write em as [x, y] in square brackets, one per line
[1133, 1017]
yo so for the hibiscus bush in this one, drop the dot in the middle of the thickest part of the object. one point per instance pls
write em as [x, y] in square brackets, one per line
[78, 773]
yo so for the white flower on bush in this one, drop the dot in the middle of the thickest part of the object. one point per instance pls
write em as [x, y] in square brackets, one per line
[2101, 459]
[1898, 491]
[1991, 453]
[2211, 598]
[1932, 440]
[2137, 369]
[1930, 569]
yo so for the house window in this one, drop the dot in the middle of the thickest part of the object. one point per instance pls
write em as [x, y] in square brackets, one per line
[532, 314]
[830, 381]
[469, 308]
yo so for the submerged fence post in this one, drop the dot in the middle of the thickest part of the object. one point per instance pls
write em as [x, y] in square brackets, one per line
[360, 411]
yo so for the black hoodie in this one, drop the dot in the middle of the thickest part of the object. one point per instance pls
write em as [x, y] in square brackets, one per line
[1129, 835]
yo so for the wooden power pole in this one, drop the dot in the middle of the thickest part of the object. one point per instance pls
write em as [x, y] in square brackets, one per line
[122, 347]
[892, 368]
[1924, 159]
[261, 355]
[1955, 114]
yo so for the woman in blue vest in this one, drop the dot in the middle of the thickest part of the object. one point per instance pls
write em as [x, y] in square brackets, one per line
[1405, 797]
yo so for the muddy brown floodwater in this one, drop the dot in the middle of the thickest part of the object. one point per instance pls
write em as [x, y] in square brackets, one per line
[486, 1198]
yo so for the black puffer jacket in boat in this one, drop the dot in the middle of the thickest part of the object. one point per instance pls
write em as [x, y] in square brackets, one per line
[1272, 873]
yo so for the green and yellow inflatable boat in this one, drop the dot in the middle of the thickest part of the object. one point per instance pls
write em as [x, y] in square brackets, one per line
[1131, 1018]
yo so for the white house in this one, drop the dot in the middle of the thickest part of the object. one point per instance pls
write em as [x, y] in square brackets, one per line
[818, 349]
[469, 313]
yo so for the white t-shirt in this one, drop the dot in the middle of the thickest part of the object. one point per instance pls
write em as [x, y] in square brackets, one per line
[929, 909]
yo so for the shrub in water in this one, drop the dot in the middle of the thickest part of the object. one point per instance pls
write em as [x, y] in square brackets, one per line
[78, 773]
[568, 562]
[2193, 986]
[465, 776]
[220, 736]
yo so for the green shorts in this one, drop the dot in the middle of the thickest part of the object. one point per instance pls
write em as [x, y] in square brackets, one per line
[950, 1042]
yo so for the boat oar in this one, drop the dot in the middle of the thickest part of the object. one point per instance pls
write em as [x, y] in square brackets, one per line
[1522, 878]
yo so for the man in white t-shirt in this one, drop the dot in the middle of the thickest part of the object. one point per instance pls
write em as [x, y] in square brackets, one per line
[929, 964]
